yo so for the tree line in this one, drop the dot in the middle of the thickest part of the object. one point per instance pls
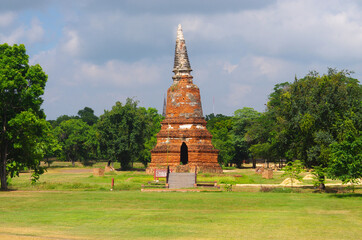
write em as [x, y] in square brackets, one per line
[126, 134]
[315, 119]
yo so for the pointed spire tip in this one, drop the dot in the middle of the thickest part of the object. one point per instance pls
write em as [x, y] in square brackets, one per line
[180, 34]
[181, 62]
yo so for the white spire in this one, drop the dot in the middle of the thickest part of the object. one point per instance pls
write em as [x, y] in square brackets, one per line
[181, 63]
[180, 35]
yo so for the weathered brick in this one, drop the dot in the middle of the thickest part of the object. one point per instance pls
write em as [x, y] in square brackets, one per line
[184, 122]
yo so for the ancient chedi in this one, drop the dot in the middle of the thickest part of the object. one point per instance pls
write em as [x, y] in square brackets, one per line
[183, 141]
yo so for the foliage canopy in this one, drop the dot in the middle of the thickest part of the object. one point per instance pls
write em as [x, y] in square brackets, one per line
[21, 88]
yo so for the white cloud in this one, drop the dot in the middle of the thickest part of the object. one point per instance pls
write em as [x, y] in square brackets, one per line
[15, 33]
[238, 93]
[71, 44]
[269, 67]
[237, 54]
[36, 32]
[120, 74]
[6, 19]
[298, 29]
[13, 37]
[229, 68]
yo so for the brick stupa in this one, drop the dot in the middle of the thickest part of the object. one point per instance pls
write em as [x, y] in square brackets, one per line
[183, 142]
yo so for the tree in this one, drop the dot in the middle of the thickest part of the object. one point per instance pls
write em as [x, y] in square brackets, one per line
[309, 114]
[292, 170]
[153, 127]
[346, 155]
[60, 119]
[123, 133]
[27, 132]
[243, 119]
[87, 115]
[21, 88]
[267, 135]
[77, 139]
[222, 139]
[52, 147]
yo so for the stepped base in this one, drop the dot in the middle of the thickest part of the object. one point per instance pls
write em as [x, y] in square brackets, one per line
[207, 168]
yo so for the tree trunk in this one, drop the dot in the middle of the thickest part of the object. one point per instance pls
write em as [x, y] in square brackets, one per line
[321, 184]
[4, 184]
[3, 156]
[254, 163]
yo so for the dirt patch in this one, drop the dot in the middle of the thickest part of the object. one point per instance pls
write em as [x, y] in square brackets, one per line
[180, 190]
[231, 171]
[33, 234]
[288, 182]
[76, 170]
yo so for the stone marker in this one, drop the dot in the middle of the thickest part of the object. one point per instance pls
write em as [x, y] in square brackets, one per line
[181, 180]
[268, 174]
[98, 172]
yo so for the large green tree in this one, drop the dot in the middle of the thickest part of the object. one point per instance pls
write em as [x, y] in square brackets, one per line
[123, 132]
[228, 135]
[243, 119]
[87, 115]
[266, 134]
[310, 113]
[346, 155]
[21, 88]
[51, 144]
[78, 141]
[220, 127]
[153, 127]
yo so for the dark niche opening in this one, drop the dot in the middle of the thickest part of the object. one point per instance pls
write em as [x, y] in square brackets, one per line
[184, 156]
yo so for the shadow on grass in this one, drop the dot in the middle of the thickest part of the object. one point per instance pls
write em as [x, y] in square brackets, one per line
[131, 170]
[8, 190]
[347, 195]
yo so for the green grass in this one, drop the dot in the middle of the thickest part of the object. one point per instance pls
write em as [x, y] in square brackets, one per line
[71, 179]
[175, 215]
[61, 176]
[71, 203]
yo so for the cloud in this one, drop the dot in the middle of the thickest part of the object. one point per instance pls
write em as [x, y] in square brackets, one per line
[31, 34]
[96, 53]
[230, 67]
[36, 32]
[74, 83]
[6, 19]
[166, 7]
[20, 5]
[238, 92]
[71, 44]
[297, 30]
[120, 74]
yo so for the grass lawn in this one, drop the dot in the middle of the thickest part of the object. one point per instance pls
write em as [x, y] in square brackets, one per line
[71, 203]
[61, 176]
[176, 215]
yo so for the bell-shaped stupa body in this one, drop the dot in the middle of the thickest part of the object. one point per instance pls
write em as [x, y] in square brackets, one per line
[183, 142]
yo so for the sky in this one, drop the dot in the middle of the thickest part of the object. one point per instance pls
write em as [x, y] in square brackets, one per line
[96, 53]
